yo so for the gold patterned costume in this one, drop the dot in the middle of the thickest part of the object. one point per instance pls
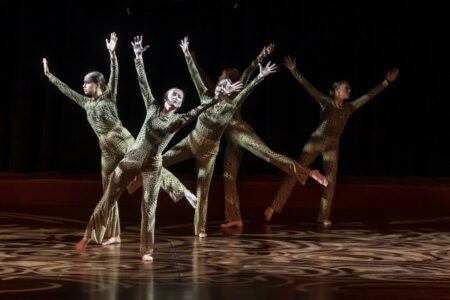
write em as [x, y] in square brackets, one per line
[144, 157]
[203, 142]
[324, 141]
[240, 136]
[114, 140]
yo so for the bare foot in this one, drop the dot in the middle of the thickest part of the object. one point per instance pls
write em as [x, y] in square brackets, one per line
[202, 235]
[82, 245]
[237, 223]
[191, 198]
[112, 240]
[326, 223]
[317, 176]
[147, 257]
[268, 213]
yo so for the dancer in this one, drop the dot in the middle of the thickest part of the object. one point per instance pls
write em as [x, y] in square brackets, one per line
[324, 141]
[144, 157]
[240, 137]
[203, 142]
[114, 139]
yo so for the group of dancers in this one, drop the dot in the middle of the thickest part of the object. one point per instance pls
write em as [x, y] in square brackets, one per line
[128, 163]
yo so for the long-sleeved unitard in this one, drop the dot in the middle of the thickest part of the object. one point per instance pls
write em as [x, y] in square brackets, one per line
[203, 142]
[114, 140]
[241, 136]
[324, 141]
[144, 157]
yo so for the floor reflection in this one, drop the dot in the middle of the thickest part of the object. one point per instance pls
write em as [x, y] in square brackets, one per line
[257, 261]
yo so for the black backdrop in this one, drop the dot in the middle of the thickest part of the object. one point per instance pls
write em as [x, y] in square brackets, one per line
[402, 132]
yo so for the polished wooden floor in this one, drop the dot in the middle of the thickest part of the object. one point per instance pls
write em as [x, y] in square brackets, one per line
[362, 256]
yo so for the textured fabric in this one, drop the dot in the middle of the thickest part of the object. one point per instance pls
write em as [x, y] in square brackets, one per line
[143, 157]
[324, 141]
[209, 128]
[114, 141]
[205, 152]
[240, 135]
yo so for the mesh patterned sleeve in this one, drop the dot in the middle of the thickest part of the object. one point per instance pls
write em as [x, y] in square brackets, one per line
[315, 93]
[66, 90]
[369, 95]
[143, 84]
[202, 90]
[113, 79]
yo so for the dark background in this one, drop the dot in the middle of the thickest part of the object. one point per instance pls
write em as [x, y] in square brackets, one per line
[401, 132]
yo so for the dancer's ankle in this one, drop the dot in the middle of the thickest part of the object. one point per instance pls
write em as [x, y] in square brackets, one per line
[268, 213]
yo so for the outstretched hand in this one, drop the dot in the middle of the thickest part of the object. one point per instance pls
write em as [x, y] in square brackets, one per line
[235, 87]
[392, 74]
[137, 46]
[290, 63]
[46, 70]
[266, 51]
[268, 69]
[184, 44]
[112, 43]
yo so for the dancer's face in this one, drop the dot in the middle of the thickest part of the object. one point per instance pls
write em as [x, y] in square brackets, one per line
[174, 98]
[343, 91]
[89, 86]
[223, 87]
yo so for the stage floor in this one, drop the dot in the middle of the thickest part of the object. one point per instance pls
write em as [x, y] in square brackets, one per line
[385, 257]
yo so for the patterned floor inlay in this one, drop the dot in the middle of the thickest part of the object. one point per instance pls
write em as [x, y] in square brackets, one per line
[405, 258]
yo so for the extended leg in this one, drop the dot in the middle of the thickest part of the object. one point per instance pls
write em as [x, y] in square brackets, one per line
[125, 171]
[308, 155]
[248, 139]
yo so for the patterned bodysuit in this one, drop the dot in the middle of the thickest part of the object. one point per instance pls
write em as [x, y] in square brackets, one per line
[114, 140]
[240, 137]
[324, 141]
[203, 142]
[143, 157]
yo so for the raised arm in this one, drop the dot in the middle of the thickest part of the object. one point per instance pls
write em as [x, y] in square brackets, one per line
[291, 64]
[391, 76]
[254, 64]
[263, 72]
[65, 89]
[142, 77]
[114, 69]
[204, 77]
[191, 115]
[202, 89]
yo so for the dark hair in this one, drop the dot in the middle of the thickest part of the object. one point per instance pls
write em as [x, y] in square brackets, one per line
[98, 78]
[335, 86]
[231, 73]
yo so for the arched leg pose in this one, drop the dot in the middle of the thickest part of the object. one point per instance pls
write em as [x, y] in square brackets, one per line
[334, 115]
[240, 136]
[203, 142]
